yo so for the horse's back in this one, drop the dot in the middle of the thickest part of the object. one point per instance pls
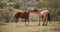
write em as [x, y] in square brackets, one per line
[44, 11]
[22, 14]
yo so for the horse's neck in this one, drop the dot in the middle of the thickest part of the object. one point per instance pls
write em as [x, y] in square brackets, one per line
[42, 12]
[46, 11]
[39, 12]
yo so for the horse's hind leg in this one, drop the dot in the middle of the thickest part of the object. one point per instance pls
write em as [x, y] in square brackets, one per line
[39, 20]
[46, 21]
[16, 19]
[43, 23]
[26, 22]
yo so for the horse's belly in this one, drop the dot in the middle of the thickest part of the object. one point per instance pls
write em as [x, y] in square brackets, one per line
[24, 16]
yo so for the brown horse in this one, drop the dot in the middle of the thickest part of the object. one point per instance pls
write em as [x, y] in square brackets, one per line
[44, 15]
[24, 15]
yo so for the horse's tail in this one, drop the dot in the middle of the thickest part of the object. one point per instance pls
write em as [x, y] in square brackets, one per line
[49, 19]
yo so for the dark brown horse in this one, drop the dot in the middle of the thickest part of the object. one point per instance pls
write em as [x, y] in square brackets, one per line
[44, 15]
[24, 15]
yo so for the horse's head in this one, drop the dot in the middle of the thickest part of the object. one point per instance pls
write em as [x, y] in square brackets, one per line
[31, 9]
[40, 10]
[37, 10]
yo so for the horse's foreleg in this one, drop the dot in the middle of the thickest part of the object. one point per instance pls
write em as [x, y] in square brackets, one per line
[39, 21]
[26, 22]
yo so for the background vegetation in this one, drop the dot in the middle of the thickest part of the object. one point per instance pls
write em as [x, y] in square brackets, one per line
[7, 7]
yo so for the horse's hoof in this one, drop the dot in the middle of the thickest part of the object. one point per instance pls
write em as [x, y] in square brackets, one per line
[46, 25]
[26, 25]
[43, 24]
[39, 24]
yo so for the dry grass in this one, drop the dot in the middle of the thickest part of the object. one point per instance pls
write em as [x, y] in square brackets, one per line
[33, 27]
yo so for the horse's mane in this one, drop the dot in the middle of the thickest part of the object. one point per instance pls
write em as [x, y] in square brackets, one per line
[35, 9]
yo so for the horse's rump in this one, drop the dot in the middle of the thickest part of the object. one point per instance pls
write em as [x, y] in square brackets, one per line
[49, 17]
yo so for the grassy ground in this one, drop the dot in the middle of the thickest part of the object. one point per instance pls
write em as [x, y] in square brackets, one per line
[33, 27]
